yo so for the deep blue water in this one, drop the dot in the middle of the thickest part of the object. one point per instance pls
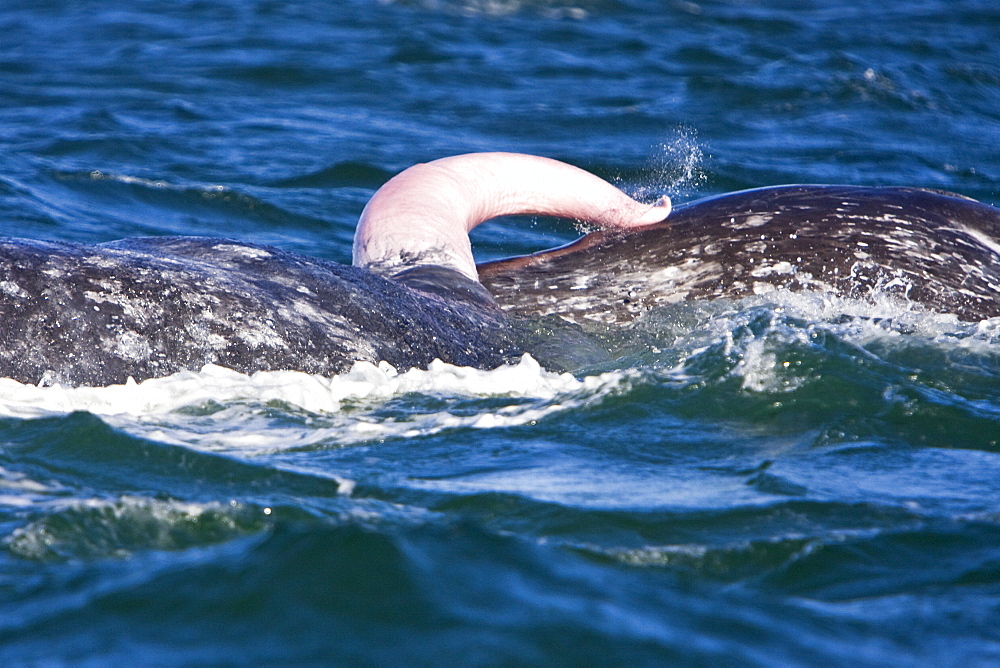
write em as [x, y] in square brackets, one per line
[757, 483]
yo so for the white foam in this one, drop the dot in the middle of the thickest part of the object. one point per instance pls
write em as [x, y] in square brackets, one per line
[218, 408]
[18, 490]
[760, 334]
[94, 526]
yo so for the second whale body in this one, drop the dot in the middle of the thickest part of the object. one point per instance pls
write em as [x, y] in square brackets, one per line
[933, 249]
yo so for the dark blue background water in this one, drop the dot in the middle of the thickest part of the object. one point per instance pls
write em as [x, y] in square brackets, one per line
[764, 484]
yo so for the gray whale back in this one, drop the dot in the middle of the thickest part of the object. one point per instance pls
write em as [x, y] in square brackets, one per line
[938, 249]
[141, 308]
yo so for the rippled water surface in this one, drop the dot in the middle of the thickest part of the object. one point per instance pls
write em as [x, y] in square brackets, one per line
[793, 480]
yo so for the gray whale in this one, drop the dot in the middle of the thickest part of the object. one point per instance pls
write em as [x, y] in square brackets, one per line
[937, 249]
[98, 314]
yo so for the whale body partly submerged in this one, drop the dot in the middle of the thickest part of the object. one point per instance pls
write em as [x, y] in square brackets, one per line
[936, 249]
[98, 314]
[141, 308]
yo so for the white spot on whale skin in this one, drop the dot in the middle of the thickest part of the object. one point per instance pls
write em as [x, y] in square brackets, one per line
[13, 289]
[133, 346]
[981, 237]
[101, 261]
[753, 220]
[781, 268]
[52, 272]
[667, 274]
[683, 275]
[245, 251]
[582, 282]
[756, 220]
[896, 282]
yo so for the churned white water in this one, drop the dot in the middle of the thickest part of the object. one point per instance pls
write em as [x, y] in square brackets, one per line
[219, 408]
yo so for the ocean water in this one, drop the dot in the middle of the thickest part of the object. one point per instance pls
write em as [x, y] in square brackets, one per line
[796, 480]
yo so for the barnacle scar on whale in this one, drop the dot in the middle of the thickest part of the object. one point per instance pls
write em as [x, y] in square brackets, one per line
[140, 308]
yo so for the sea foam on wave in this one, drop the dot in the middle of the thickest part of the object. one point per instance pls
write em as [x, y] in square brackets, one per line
[218, 408]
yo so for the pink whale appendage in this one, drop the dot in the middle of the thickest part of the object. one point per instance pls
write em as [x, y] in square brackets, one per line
[424, 214]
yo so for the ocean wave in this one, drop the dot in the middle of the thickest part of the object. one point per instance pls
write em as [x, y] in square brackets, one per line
[96, 528]
[218, 408]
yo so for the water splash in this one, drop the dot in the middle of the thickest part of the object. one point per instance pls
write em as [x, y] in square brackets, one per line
[676, 168]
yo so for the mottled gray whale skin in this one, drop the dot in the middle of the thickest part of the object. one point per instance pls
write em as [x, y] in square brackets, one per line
[937, 249]
[141, 308]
